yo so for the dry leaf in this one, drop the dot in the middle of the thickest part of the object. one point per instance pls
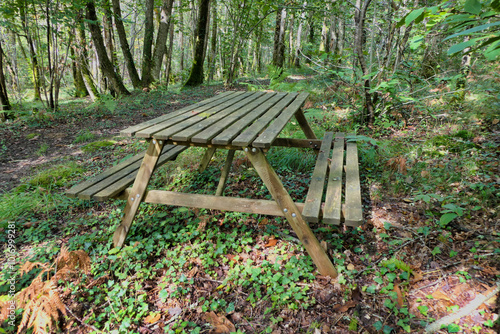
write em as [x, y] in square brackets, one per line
[152, 318]
[221, 324]
[438, 294]
[345, 307]
[356, 294]
[495, 121]
[264, 221]
[400, 295]
[417, 277]
[271, 243]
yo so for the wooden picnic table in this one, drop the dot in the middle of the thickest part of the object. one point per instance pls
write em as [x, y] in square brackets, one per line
[247, 121]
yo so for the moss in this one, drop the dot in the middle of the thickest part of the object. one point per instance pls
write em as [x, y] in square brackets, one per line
[57, 175]
[97, 145]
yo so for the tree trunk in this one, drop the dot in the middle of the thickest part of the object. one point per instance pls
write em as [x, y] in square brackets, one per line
[310, 37]
[105, 64]
[279, 38]
[161, 38]
[196, 75]
[213, 43]
[127, 54]
[4, 97]
[296, 61]
[360, 41]
[169, 55]
[181, 37]
[80, 88]
[37, 83]
[147, 61]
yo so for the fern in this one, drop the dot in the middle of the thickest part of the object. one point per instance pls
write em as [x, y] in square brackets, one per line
[397, 263]
[40, 300]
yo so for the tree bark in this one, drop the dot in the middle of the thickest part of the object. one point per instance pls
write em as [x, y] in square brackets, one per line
[80, 88]
[4, 97]
[105, 64]
[298, 39]
[169, 55]
[213, 43]
[196, 75]
[279, 38]
[124, 45]
[37, 83]
[360, 41]
[161, 38]
[147, 61]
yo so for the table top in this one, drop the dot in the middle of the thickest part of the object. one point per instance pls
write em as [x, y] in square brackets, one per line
[236, 119]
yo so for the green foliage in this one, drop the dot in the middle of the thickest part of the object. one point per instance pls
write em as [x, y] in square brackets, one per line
[84, 136]
[97, 145]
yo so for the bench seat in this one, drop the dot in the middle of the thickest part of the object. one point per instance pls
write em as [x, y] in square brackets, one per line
[113, 181]
[342, 201]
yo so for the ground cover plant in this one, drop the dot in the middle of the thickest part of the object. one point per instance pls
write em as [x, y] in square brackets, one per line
[428, 248]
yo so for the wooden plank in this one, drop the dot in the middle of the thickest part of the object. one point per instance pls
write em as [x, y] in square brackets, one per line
[315, 193]
[74, 191]
[138, 189]
[292, 214]
[131, 131]
[225, 173]
[206, 126]
[236, 128]
[333, 198]
[250, 133]
[304, 124]
[209, 153]
[267, 137]
[353, 209]
[119, 185]
[189, 120]
[257, 107]
[247, 205]
[180, 117]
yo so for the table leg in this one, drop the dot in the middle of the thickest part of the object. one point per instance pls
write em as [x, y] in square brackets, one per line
[304, 125]
[292, 214]
[225, 172]
[209, 153]
[138, 190]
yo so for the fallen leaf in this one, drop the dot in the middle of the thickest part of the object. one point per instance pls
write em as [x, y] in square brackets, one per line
[495, 121]
[438, 294]
[221, 324]
[350, 267]
[400, 295]
[152, 318]
[425, 173]
[417, 277]
[344, 307]
[356, 294]
[271, 243]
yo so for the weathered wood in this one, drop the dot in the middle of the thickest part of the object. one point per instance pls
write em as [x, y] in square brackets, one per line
[231, 132]
[225, 172]
[203, 110]
[118, 186]
[138, 189]
[209, 153]
[235, 204]
[304, 124]
[218, 121]
[315, 193]
[190, 120]
[267, 137]
[250, 133]
[291, 212]
[131, 131]
[74, 191]
[227, 123]
[333, 198]
[353, 208]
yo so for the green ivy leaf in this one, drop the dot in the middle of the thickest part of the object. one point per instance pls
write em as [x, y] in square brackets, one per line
[454, 328]
[446, 218]
[472, 6]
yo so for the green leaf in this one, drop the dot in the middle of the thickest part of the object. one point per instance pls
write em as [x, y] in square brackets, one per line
[378, 325]
[416, 41]
[472, 6]
[454, 328]
[113, 251]
[413, 15]
[460, 46]
[475, 29]
[446, 218]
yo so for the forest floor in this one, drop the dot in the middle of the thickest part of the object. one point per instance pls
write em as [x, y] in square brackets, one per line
[205, 271]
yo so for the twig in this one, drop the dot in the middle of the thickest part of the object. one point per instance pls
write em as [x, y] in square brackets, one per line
[81, 321]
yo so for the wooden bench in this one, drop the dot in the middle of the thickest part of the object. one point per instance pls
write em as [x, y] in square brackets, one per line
[113, 181]
[338, 206]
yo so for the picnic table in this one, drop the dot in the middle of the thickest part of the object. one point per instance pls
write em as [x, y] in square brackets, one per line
[251, 122]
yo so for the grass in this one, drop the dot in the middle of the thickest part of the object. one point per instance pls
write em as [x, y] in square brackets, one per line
[430, 191]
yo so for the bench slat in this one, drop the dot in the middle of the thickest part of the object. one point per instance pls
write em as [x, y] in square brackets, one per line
[185, 115]
[204, 128]
[117, 187]
[267, 137]
[353, 209]
[250, 133]
[332, 210]
[130, 131]
[314, 195]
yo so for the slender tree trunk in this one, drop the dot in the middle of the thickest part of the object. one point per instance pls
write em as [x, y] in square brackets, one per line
[105, 64]
[49, 56]
[161, 38]
[169, 55]
[37, 83]
[291, 52]
[80, 88]
[360, 41]
[298, 39]
[147, 61]
[196, 75]
[181, 37]
[127, 54]
[213, 43]
[310, 37]
[4, 97]
[279, 38]
[83, 59]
